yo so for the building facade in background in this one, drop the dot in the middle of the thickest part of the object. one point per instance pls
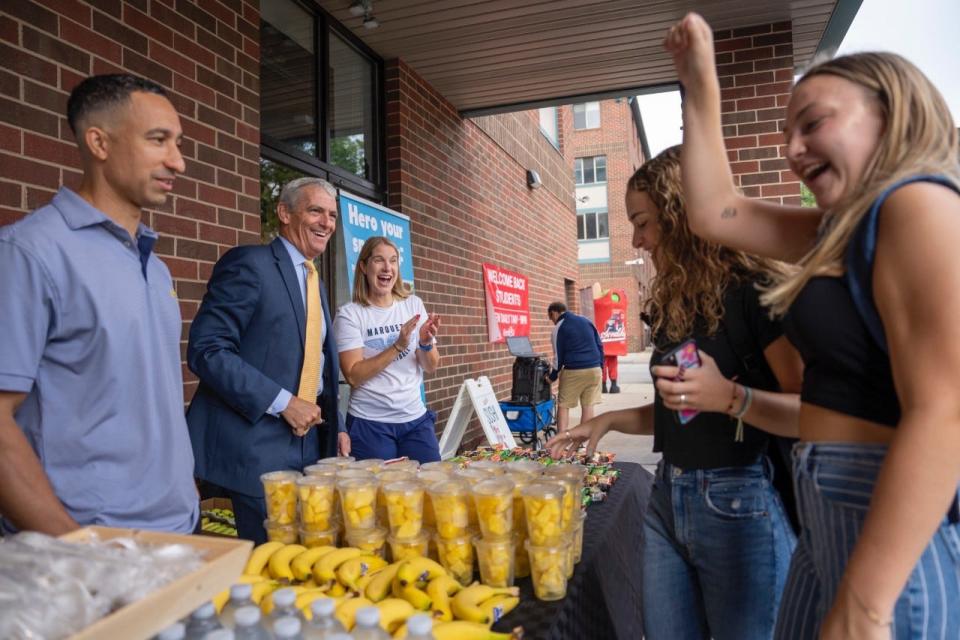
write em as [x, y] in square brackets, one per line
[268, 91]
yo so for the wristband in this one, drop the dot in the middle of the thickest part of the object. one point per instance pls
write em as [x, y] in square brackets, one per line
[395, 346]
[747, 400]
[426, 347]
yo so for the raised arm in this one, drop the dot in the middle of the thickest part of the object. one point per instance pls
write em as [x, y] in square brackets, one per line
[916, 296]
[358, 370]
[716, 211]
[636, 421]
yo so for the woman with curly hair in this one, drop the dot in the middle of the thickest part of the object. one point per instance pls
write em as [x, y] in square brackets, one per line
[717, 540]
[873, 308]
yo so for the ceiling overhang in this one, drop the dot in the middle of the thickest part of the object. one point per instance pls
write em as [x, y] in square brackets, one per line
[488, 56]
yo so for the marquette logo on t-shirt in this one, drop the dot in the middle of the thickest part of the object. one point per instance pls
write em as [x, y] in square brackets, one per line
[387, 329]
[385, 342]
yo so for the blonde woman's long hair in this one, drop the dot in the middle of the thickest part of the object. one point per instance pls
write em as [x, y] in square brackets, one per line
[919, 136]
[692, 273]
[361, 291]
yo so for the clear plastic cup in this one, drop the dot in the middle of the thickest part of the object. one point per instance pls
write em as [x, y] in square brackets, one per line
[472, 476]
[337, 461]
[440, 465]
[402, 465]
[323, 470]
[495, 557]
[317, 496]
[404, 507]
[277, 532]
[372, 541]
[373, 465]
[280, 493]
[491, 467]
[527, 467]
[494, 502]
[520, 480]
[456, 556]
[571, 552]
[358, 502]
[451, 506]
[548, 568]
[578, 538]
[329, 538]
[432, 552]
[348, 473]
[570, 509]
[385, 477]
[410, 548]
[521, 559]
[427, 478]
[542, 504]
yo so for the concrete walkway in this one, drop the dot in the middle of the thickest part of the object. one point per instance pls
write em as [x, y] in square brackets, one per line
[635, 389]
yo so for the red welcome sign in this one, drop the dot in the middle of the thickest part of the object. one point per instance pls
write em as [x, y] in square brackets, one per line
[508, 308]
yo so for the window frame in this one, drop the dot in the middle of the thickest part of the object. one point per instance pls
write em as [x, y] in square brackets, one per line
[586, 116]
[582, 218]
[580, 181]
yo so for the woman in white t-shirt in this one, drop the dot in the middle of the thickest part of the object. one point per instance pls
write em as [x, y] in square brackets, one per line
[386, 341]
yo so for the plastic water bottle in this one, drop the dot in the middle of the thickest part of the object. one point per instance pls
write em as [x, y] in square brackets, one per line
[340, 636]
[284, 606]
[323, 624]
[420, 627]
[220, 634]
[249, 626]
[287, 628]
[202, 621]
[239, 597]
[367, 625]
[176, 631]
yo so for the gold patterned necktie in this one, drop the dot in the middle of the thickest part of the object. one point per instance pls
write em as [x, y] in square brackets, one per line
[310, 373]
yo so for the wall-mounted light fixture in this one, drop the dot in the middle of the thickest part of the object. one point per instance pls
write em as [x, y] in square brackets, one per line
[364, 8]
[533, 179]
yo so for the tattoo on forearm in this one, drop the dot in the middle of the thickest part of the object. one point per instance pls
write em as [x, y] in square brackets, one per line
[729, 212]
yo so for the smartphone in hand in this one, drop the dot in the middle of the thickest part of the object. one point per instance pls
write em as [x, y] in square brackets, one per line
[684, 356]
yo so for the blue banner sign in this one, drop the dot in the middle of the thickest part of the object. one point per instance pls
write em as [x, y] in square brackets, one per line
[361, 219]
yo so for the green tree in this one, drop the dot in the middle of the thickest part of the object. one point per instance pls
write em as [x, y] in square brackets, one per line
[348, 153]
[272, 178]
[806, 196]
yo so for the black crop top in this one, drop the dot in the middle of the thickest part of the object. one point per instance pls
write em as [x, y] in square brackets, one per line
[708, 441]
[844, 369]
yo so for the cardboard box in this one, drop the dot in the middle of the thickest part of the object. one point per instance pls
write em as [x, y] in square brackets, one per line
[216, 503]
[224, 562]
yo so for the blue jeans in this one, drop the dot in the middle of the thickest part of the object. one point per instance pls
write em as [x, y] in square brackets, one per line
[834, 485]
[717, 547]
[387, 440]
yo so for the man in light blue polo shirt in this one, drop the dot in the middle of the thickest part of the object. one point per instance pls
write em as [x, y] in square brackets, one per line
[92, 429]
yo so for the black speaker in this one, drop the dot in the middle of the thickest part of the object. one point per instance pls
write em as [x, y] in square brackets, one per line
[528, 380]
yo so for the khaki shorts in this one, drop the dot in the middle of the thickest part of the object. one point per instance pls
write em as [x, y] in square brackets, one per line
[579, 386]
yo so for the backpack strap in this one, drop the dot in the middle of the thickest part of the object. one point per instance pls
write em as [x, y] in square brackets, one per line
[860, 255]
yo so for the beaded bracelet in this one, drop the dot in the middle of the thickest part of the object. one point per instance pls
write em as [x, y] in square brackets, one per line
[747, 400]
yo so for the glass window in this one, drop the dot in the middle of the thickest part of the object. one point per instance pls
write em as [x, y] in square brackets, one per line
[548, 125]
[273, 176]
[288, 79]
[352, 104]
[592, 225]
[590, 170]
[586, 115]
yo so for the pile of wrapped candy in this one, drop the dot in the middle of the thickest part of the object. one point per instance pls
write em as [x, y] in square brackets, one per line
[601, 474]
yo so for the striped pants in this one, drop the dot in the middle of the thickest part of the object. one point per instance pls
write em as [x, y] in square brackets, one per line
[834, 483]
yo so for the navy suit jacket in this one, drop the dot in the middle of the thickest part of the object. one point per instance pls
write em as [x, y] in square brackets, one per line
[246, 343]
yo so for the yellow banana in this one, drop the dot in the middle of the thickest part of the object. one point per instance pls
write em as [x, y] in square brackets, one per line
[260, 556]
[302, 565]
[417, 597]
[248, 579]
[220, 600]
[347, 611]
[262, 589]
[394, 612]
[379, 586]
[353, 569]
[266, 605]
[306, 598]
[419, 570]
[326, 567]
[337, 590]
[279, 562]
[363, 581]
[465, 605]
[463, 630]
[401, 632]
[440, 589]
[499, 606]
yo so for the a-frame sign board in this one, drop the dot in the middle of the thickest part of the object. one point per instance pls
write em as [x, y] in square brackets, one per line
[476, 396]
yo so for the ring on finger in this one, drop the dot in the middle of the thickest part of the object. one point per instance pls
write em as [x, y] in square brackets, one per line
[683, 398]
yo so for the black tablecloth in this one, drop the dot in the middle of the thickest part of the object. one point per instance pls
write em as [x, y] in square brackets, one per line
[603, 596]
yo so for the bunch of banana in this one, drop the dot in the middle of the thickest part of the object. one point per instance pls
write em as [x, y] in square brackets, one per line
[463, 630]
[211, 525]
[483, 604]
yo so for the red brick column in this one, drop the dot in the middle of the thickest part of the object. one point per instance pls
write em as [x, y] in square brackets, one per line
[755, 65]
[206, 54]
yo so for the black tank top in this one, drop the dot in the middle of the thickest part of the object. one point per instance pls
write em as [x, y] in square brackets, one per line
[844, 368]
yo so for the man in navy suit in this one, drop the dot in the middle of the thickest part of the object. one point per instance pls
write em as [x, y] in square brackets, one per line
[247, 348]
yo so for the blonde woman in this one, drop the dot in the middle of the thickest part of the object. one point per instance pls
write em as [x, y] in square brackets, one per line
[386, 342]
[879, 459]
[717, 542]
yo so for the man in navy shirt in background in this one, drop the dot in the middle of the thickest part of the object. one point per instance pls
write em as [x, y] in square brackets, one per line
[578, 358]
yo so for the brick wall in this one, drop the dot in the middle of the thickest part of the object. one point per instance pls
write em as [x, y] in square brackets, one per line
[205, 53]
[468, 202]
[755, 66]
[618, 140]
